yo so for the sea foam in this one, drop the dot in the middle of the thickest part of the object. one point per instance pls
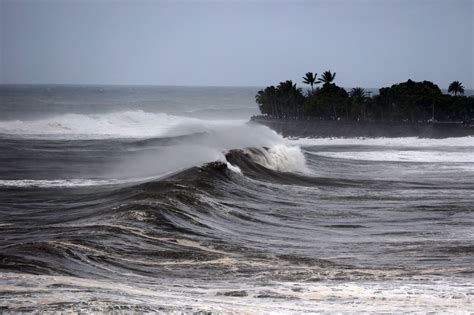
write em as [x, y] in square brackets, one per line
[210, 140]
[394, 142]
[126, 124]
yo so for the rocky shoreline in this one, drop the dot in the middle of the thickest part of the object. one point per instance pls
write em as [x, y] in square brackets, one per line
[346, 129]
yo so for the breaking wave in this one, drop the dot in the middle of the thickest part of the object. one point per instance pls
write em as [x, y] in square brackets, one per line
[227, 213]
[278, 158]
[127, 124]
[156, 144]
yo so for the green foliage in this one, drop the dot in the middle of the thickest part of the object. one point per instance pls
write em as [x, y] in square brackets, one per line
[310, 79]
[456, 87]
[406, 101]
[358, 103]
[410, 100]
[327, 77]
[328, 102]
[267, 100]
[357, 93]
[286, 100]
[454, 108]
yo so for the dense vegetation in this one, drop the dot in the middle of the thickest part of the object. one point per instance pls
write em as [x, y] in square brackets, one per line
[403, 102]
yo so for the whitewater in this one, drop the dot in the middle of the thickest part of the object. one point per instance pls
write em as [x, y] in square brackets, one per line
[131, 208]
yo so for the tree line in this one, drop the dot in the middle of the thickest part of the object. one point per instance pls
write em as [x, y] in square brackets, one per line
[408, 101]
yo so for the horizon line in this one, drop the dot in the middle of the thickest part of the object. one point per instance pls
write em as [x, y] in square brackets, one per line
[178, 85]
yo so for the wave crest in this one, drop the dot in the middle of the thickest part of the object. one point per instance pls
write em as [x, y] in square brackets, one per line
[126, 124]
[280, 158]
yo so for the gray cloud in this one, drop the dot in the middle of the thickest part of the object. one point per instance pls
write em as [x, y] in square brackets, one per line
[369, 43]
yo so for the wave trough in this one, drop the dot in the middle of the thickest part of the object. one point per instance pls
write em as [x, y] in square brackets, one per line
[149, 212]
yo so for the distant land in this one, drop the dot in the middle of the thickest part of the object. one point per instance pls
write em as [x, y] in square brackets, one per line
[404, 109]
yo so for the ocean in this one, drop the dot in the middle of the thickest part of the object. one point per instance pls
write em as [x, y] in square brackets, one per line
[167, 199]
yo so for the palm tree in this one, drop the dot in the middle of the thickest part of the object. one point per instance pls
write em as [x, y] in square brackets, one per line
[327, 77]
[456, 87]
[267, 100]
[358, 98]
[310, 79]
[357, 92]
[290, 96]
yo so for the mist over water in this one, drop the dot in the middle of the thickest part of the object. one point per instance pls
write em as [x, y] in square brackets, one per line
[168, 199]
[38, 101]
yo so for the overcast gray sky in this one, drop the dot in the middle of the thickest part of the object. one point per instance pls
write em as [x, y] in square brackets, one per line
[369, 43]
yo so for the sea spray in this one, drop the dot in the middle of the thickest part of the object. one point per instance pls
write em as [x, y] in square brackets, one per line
[156, 144]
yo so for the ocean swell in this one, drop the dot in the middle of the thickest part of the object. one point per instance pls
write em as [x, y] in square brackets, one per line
[228, 217]
[126, 124]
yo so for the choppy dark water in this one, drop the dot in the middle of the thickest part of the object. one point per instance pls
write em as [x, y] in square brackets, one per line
[126, 211]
